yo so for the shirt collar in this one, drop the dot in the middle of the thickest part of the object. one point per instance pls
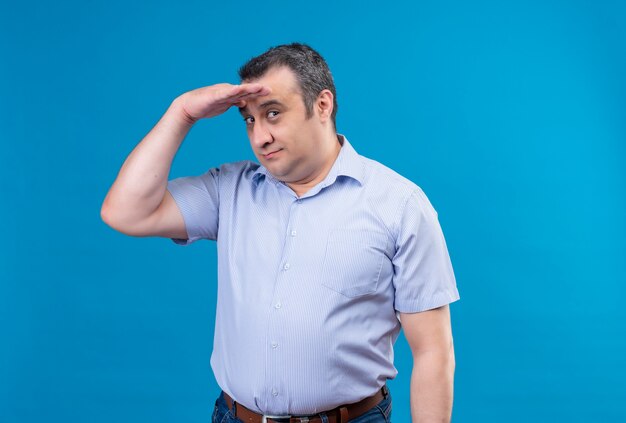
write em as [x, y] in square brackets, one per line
[347, 164]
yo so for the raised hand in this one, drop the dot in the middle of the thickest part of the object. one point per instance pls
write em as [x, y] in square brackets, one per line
[207, 102]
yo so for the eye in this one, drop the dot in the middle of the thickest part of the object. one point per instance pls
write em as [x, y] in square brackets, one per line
[249, 120]
[272, 113]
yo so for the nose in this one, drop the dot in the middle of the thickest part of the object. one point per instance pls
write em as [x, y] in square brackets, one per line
[260, 135]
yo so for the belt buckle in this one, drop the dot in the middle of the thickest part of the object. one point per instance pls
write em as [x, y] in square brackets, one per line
[264, 418]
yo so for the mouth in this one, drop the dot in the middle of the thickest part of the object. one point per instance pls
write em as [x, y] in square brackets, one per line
[272, 154]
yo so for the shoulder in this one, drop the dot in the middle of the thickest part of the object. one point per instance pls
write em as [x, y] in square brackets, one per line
[242, 167]
[394, 195]
[237, 172]
[383, 180]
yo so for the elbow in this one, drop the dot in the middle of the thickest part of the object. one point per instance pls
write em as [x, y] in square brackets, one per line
[452, 359]
[451, 365]
[108, 217]
[114, 221]
[447, 358]
[441, 357]
[105, 213]
[127, 224]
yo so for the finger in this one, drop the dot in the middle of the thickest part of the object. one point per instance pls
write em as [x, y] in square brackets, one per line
[245, 96]
[242, 96]
[250, 88]
[260, 89]
[240, 103]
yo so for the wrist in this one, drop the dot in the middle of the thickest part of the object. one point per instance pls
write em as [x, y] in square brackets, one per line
[178, 110]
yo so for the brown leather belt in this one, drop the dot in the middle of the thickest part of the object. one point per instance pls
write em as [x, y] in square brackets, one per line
[339, 414]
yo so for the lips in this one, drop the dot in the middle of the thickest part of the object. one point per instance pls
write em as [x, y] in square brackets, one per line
[272, 154]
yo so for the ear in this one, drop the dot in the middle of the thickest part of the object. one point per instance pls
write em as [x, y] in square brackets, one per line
[324, 105]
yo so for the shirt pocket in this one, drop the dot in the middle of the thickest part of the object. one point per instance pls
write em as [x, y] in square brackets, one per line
[353, 261]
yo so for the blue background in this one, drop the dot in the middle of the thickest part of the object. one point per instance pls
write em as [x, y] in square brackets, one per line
[510, 115]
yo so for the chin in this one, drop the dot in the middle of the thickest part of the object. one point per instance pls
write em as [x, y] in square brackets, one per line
[279, 174]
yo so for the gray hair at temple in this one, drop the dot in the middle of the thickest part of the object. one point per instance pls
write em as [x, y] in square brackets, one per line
[308, 65]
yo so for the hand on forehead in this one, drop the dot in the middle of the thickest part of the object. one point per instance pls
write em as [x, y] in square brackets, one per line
[246, 91]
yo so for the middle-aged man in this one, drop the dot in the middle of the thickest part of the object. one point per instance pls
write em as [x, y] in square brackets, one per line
[323, 254]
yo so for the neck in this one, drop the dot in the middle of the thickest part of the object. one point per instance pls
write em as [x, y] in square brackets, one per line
[302, 187]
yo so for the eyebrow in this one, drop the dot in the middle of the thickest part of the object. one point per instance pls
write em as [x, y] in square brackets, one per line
[273, 102]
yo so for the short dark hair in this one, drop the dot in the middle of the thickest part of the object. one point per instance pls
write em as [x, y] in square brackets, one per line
[308, 65]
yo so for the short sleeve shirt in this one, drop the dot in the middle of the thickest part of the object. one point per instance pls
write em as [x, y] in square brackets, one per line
[310, 287]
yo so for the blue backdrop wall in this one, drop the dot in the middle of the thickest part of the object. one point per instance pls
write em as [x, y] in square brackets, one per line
[510, 116]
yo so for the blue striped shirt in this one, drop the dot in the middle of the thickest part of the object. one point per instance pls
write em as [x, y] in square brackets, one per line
[309, 288]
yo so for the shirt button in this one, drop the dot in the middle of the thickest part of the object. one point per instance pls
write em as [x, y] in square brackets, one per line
[299, 201]
[275, 392]
[274, 344]
[286, 266]
[293, 233]
[278, 305]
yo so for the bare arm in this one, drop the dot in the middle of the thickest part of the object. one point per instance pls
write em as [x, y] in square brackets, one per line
[138, 203]
[430, 337]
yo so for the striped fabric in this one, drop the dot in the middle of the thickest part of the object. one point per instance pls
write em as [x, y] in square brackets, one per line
[309, 288]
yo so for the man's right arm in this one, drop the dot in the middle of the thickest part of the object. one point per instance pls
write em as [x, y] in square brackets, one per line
[138, 203]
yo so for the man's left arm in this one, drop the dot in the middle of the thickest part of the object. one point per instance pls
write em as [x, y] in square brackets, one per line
[429, 335]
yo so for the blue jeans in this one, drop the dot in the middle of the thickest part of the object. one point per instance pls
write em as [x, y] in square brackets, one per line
[380, 413]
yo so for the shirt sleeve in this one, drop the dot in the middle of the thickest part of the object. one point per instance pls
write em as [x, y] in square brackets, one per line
[423, 276]
[197, 198]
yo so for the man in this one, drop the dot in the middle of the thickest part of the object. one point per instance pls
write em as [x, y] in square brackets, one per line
[323, 254]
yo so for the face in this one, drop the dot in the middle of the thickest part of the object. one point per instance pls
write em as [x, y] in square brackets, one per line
[283, 139]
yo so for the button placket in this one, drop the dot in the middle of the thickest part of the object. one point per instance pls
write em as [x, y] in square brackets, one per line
[278, 313]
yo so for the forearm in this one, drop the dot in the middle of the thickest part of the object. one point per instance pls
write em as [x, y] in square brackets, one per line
[142, 180]
[432, 382]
